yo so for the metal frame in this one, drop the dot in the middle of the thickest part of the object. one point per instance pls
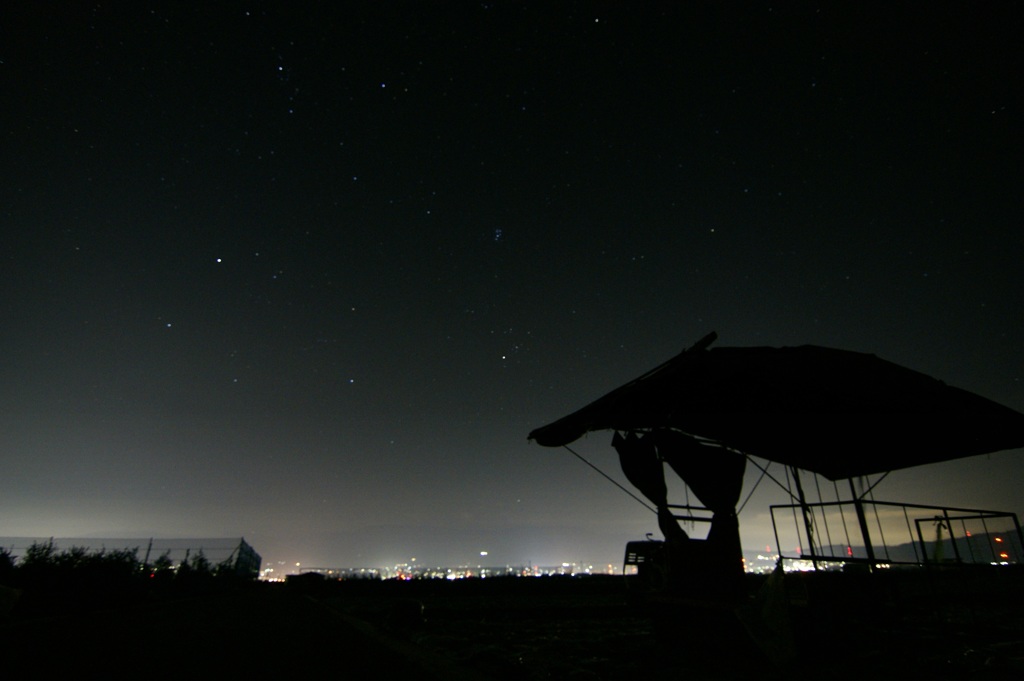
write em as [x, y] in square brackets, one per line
[872, 560]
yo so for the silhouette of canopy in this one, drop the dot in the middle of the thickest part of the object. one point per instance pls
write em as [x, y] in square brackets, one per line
[838, 413]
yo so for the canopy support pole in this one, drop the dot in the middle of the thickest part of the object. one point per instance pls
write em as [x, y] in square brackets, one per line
[858, 505]
[808, 520]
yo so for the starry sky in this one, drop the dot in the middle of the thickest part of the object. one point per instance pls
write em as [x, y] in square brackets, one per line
[310, 276]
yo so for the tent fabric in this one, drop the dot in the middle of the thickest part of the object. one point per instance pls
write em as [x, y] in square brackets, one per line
[640, 464]
[838, 413]
[715, 476]
[642, 467]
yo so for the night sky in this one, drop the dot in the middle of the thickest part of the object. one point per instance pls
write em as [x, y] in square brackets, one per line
[310, 276]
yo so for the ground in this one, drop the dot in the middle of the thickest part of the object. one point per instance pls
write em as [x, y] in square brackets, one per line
[544, 628]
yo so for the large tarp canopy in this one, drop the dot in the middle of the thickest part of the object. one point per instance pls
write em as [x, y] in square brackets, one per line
[838, 413]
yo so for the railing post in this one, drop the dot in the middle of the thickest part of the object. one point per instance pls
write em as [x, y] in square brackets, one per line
[920, 539]
[952, 539]
[808, 523]
[863, 521]
[1020, 535]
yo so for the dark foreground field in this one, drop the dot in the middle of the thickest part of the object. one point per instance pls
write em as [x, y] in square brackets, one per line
[543, 628]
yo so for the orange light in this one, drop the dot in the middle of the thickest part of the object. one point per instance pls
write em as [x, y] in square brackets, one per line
[1004, 555]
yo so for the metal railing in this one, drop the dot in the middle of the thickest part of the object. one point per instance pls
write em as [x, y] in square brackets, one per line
[881, 533]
